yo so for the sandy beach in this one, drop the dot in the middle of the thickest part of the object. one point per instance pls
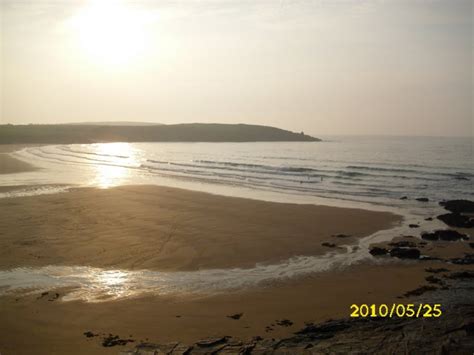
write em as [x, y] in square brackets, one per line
[236, 177]
[169, 229]
[161, 228]
[57, 327]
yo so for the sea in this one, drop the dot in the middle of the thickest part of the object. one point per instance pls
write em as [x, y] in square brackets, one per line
[372, 172]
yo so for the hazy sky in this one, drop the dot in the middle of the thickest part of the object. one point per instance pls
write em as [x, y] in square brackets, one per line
[322, 66]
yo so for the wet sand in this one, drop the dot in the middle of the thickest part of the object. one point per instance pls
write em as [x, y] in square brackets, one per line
[10, 165]
[161, 228]
[55, 327]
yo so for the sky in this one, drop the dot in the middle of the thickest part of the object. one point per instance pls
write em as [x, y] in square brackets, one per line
[364, 67]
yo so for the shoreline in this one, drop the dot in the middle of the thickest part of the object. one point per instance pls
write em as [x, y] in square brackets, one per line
[209, 188]
[11, 165]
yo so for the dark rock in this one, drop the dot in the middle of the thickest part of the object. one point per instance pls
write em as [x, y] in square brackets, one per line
[422, 199]
[434, 280]
[236, 316]
[430, 258]
[180, 349]
[323, 331]
[467, 260]
[429, 219]
[151, 348]
[436, 270]
[212, 341]
[114, 340]
[284, 323]
[413, 226]
[456, 220]
[405, 253]
[403, 198]
[341, 236]
[449, 334]
[461, 275]
[419, 291]
[89, 334]
[444, 234]
[378, 251]
[328, 245]
[430, 236]
[458, 206]
[247, 349]
[469, 328]
[403, 244]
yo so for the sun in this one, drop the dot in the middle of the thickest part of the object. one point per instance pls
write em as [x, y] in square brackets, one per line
[110, 32]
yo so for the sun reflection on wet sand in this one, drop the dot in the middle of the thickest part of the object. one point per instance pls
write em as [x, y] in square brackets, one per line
[91, 284]
[120, 156]
[113, 283]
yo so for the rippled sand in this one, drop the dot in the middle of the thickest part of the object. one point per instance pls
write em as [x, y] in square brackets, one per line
[161, 228]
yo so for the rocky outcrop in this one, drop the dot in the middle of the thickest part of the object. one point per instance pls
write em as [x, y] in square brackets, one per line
[457, 220]
[453, 332]
[375, 251]
[328, 245]
[458, 206]
[405, 253]
[422, 199]
[403, 244]
[446, 235]
[468, 259]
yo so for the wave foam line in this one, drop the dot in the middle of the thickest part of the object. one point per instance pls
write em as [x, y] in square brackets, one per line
[95, 284]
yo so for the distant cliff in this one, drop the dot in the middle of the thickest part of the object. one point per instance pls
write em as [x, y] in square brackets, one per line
[194, 132]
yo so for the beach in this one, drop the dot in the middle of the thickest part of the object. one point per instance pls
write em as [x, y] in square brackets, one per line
[172, 230]
[236, 177]
[161, 228]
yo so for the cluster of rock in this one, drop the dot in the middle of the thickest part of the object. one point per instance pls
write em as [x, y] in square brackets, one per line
[451, 333]
[456, 218]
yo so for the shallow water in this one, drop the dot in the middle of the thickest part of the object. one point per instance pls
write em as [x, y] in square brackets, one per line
[95, 284]
[374, 171]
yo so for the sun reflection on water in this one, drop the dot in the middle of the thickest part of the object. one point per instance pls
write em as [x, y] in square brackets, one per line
[113, 283]
[116, 159]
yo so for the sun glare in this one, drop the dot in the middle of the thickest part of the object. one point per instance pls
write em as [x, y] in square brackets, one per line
[111, 32]
[120, 157]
